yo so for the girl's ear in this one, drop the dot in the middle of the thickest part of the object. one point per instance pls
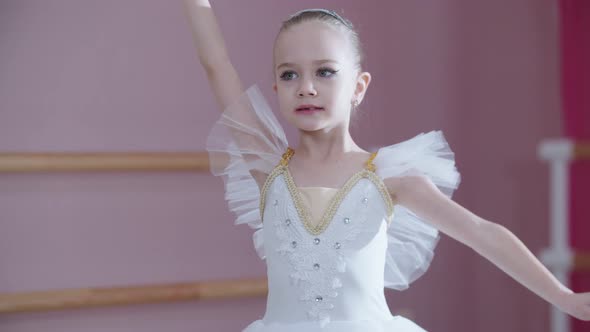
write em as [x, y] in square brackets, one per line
[362, 83]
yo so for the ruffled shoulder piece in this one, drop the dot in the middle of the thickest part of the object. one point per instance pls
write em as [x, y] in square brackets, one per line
[411, 240]
[246, 139]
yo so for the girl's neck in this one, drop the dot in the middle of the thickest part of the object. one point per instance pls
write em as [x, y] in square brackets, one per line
[327, 145]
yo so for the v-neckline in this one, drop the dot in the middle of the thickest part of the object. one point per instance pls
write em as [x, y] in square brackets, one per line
[328, 214]
[334, 204]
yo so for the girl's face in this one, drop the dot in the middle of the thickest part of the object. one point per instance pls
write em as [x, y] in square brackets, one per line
[314, 65]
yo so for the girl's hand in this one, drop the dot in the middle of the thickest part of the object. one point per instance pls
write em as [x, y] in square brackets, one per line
[577, 305]
[203, 3]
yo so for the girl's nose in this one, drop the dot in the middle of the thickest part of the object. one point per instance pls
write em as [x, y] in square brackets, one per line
[307, 89]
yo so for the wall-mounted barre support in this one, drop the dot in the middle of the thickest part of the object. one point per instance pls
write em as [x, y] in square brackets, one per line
[99, 297]
[103, 161]
[559, 256]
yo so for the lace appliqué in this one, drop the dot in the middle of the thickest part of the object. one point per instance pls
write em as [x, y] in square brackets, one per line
[317, 259]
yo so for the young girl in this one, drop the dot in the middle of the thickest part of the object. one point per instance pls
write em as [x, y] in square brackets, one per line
[335, 223]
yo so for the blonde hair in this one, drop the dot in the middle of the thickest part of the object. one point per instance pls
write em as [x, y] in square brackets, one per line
[330, 17]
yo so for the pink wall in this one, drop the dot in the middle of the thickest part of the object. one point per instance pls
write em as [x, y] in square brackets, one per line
[123, 75]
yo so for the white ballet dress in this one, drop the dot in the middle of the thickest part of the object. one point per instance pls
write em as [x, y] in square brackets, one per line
[329, 252]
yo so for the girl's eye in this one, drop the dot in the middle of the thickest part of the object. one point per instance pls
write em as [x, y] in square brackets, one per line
[322, 72]
[326, 72]
[288, 75]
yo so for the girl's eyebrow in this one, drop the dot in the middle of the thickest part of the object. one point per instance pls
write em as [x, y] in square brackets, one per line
[317, 62]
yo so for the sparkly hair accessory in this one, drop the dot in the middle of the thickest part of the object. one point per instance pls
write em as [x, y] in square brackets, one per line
[327, 12]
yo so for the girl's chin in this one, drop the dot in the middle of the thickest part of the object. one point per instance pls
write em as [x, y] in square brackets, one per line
[309, 125]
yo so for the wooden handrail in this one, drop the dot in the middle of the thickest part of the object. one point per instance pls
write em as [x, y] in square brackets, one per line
[103, 161]
[201, 290]
[97, 297]
[581, 150]
[581, 261]
[132, 161]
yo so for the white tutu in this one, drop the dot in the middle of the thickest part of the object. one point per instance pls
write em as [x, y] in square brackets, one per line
[395, 324]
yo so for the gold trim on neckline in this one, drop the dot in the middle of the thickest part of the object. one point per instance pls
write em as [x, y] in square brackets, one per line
[334, 204]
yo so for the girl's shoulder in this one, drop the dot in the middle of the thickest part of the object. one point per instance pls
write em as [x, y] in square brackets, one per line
[244, 144]
[426, 154]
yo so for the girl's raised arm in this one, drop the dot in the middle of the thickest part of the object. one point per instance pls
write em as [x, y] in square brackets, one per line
[247, 141]
[221, 74]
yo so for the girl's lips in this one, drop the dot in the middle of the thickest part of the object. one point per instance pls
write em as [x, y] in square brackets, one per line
[308, 109]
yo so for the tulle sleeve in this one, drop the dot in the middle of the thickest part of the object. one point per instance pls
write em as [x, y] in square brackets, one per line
[246, 139]
[411, 241]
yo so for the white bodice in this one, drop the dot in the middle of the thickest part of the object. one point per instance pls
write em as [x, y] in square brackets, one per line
[336, 274]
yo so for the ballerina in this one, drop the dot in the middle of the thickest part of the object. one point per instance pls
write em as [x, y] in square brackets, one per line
[335, 223]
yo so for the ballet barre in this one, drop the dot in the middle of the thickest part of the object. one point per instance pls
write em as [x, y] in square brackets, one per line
[92, 297]
[102, 161]
[114, 296]
[560, 257]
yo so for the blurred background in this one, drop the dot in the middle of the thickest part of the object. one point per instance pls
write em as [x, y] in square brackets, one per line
[497, 77]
